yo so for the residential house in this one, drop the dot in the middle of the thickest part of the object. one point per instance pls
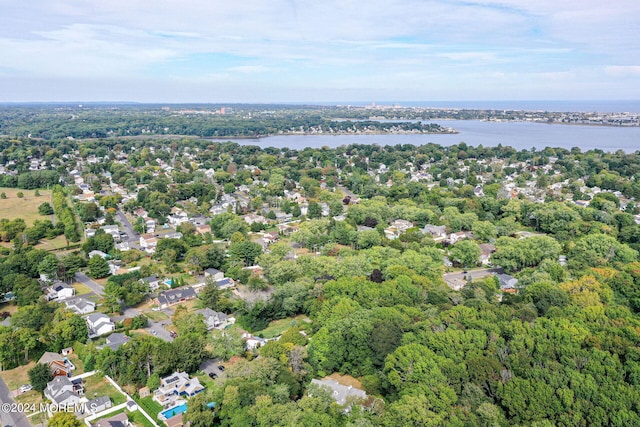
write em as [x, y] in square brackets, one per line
[153, 282]
[64, 392]
[141, 213]
[123, 247]
[214, 273]
[224, 283]
[98, 253]
[99, 324]
[271, 237]
[487, 250]
[98, 404]
[175, 296]
[80, 305]
[253, 342]
[507, 283]
[176, 386]
[214, 319]
[59, 366]
[148, 243]
[202, 229]
[253, 218]
[59, 291]
[115, 340]
[173, 235]
[438, 232]
[119, 420]
[342, 394]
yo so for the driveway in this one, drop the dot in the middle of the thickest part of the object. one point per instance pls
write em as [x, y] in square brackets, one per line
[212, 365]
[161, 332]
[457, 280]
[86, 280]
[10, 419]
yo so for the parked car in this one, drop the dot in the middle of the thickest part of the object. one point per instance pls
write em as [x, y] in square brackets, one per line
[221, 367]
[25, 388]
[153, 332]
[213, 375]
[173, 334]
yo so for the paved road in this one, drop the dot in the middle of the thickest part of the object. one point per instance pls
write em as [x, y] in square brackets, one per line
[475, 274]
[13, 419]
[134, 238]
[346, 191]
[128, 313]
[86, 280]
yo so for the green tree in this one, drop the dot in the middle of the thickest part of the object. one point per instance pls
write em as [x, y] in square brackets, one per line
[39, 376]
[45, 209]
[198, 414]
[466, 252]
[246, 251]
[98, 267]
[64, 419]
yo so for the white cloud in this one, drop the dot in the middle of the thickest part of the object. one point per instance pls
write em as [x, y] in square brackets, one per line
[390, 44]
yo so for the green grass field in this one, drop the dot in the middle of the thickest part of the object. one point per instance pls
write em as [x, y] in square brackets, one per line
[26, 207]
[14, 378]
[96, 386]
[277, 327]
[150, 406]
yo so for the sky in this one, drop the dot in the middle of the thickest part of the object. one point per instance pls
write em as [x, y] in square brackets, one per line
[174, 51]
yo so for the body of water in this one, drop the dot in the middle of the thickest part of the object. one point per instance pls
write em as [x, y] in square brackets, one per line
[519, 135]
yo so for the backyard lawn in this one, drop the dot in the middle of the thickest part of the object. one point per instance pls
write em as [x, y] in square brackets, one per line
[277, 327]
[96, 386]
[150, 406]
[16, 377]
[81, 289]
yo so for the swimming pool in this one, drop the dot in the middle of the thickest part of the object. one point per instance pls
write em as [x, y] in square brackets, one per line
[172, 412]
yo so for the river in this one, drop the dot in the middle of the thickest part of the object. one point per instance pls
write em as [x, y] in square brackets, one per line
[519, 135]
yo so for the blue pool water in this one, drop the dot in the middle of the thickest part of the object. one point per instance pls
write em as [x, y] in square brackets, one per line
[172, 412]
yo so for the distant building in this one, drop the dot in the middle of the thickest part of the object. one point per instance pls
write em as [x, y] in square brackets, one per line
[175, 296]
[340, 393]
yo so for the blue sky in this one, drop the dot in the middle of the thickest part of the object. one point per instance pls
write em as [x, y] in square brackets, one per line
[318, 51]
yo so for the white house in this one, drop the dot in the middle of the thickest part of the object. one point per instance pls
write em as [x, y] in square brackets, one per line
[60, 290]
[80, 305]
[64, 392]
[215, 320]
[99, 324]
[176, 386]
[148, 243]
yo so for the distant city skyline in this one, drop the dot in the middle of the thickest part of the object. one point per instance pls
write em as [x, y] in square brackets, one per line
[280, 51]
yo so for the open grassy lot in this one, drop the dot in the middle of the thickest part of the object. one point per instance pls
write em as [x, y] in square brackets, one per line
[277, 327]
[16, 377]
[81, 289]
[156, 316]
[9, 308]
[30, 398]
[96, 386]
[54, 244]
[26, 207]
[150, 406]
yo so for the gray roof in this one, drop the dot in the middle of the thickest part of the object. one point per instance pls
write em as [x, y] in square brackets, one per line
[98, 401]
[175, 295]
[119, 420]
[340, 392]
[150, 279]
[117, 339]
[79, 303]
[49, 357]
[507, 281]
[95, 317]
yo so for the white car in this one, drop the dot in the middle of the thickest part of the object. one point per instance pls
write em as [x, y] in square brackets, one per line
[25, 388]
[154, 332]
